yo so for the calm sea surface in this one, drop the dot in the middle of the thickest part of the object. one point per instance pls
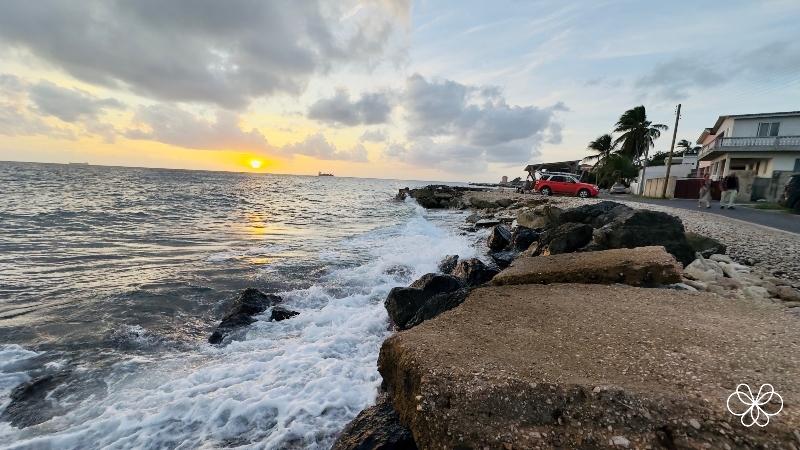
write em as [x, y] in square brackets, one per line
[111, 280]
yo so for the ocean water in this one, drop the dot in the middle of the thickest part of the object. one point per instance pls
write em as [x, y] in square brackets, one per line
[112, 279]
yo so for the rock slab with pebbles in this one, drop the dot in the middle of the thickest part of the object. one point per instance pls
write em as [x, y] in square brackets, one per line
[640, 266]
[249, 303]
[578, 366]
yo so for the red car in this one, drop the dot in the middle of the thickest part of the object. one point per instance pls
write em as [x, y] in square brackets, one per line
[563, 183]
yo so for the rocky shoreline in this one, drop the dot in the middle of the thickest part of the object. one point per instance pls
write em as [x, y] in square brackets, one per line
[639, 349]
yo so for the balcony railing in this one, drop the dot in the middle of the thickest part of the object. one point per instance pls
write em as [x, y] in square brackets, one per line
[764, 143]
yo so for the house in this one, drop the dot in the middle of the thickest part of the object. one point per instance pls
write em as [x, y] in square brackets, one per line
[684, 166]
[763, 149]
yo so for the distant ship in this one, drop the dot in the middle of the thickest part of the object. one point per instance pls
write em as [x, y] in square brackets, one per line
[325, 174]
[79, 164]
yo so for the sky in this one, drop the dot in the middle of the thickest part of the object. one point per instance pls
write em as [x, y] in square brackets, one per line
[418, 90]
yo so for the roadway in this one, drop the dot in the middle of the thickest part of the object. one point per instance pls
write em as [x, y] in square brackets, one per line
[769, 218]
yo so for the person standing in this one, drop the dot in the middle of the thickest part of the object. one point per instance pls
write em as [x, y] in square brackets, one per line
[705, 191]
[730, 188]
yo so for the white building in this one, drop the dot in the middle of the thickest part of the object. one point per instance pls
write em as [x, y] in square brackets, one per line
[763, 149]
[682, 167]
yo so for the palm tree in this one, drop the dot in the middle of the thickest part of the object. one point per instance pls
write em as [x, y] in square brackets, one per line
[604, 145]
[638, 133]
[685, 145]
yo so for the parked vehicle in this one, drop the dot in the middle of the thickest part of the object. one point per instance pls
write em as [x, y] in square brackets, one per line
[618, 188]
[564, 183]
[791, 193]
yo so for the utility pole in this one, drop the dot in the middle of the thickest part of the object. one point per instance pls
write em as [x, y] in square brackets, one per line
[644, 171]
[671, 148]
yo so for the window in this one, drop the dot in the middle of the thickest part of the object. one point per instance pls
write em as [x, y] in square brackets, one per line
[557, 178]
[768, 129]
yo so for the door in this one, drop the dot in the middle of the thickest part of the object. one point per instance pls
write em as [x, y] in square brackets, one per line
[570, 186]
[558, 183]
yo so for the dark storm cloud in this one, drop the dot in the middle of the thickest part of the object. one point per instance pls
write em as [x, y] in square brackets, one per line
[462, 128]
[370, 109]
[69, 105]
[200, 50]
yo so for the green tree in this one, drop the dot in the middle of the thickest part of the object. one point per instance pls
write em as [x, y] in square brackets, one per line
[616, 168]
[638, 133]
[604, 146]
[685, 145]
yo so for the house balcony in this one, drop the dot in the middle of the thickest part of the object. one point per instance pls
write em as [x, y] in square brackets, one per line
[748, 144]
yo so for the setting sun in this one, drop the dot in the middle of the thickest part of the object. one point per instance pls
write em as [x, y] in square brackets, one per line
[256, 163]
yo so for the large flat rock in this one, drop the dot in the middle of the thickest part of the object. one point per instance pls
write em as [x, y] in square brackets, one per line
[593, 366]
[634, 266]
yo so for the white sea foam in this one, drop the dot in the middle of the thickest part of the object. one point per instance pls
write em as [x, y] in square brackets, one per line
[286, 385]
[232, 254]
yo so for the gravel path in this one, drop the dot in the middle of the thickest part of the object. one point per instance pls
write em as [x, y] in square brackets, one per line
[770, 251]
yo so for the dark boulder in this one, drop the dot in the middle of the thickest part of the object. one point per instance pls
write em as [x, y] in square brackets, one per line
[249, 303]
[280, 313]
[31, 403]
[505, 202]
[567, 238]
[540, 217]
[486, 223]
[705, 245]
[438, 304]
[402, 303]
[448, 264]
[643, 228]
[499, 238]
[474, 272]
[376, 428]
[522, 238]
[505, 258]
[596, 214]
[434, 196]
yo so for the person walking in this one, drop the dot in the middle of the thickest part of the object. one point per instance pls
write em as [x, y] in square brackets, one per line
[705, 191]
[730, 188]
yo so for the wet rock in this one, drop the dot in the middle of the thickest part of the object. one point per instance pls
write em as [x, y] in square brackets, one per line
[567, 238]
[240, 314]
[280, 313]
[505, 202]
[522, 238]
[447, 265]
[486, 223]
[376, 428]
[438, 304]
[637, 267]
[474, 272]
[505, 258]
[499, 238]
[402, 303]
[30, 402]
[472, 218]
[434, 196]
[642, 228]
[705, 245]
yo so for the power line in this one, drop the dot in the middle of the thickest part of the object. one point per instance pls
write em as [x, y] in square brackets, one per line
[733, 100]
[752, 83]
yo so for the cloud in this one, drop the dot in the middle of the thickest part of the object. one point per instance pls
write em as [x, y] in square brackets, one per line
[477, 116]
[463, 128]
[201, 50]
[174, 126]
[69, 105]
[374, 136]
[672, 79]
[372, 108]
[316, 146]
[677, 77]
